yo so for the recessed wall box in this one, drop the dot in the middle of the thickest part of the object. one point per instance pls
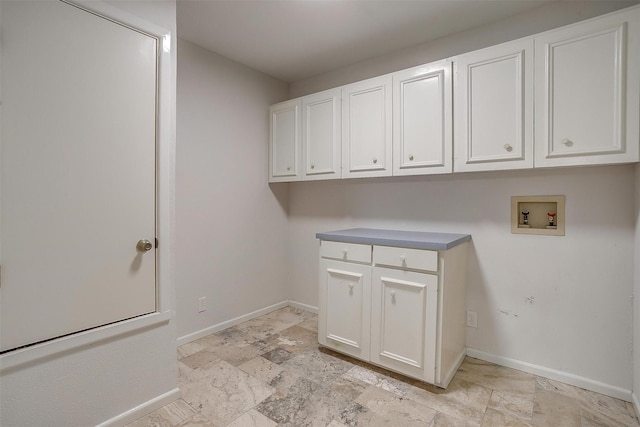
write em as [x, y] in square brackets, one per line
[537, 215]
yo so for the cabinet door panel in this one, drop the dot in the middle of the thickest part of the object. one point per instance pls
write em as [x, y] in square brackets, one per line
[345, 293]
[284, 142]
[494, 108]
[422, 130]
[582, 90]
[367, 128]
[403, 327]
[322, 135]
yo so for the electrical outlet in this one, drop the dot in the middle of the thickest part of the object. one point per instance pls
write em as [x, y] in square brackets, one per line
[472, 319]
[202, 304]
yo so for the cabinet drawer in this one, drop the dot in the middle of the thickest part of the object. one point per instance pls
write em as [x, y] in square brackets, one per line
[415, 259]
[351, 252]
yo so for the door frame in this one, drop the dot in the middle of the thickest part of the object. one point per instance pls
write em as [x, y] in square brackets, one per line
[165, 196]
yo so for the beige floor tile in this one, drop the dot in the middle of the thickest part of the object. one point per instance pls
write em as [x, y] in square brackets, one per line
[262, 369]
[610, 408]
[253, 418]
[496, 377]
[200, 359]
[462, 399]
[310, 324]
[197, 421]
[376, 407]
[444, 420]
[379, 380]
[553, 409]
[188, 349]
[307, 403]
[270, 370]
[168, 416]
[495, 417]
[515, 404]
[222, 392]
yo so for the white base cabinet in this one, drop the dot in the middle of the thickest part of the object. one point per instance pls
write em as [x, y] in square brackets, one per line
[399, 308]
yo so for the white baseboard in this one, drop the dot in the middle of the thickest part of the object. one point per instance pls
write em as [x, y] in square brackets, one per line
[302, 306]
[245, 317]
[565, 377]
[141, 410]
[636, 404]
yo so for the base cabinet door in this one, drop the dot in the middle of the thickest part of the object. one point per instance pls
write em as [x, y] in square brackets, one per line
[587, 90]
[404, 310]
[345, 294]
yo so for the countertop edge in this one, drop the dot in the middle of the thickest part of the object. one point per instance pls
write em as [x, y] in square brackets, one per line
[399, 242]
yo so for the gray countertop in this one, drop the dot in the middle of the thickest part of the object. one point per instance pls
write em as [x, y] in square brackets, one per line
[404, 239]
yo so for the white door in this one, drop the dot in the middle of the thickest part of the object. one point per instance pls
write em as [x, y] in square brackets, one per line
[322, 134]
[366, 128]
[345, 304]
[586, 76]
[404, 312]
[422, 129]
[77, 172]
[493, 108]
[284, 141]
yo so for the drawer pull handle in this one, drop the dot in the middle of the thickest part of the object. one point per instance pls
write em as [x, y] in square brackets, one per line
[351, 286]
[411, 157]
[567, 142]
[508, 147]
[393, 296]
[375, 160]
[403, 260]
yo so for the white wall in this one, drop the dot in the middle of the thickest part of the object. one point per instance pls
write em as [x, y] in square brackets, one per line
[580, 318]
[231, 226]
[122, 371]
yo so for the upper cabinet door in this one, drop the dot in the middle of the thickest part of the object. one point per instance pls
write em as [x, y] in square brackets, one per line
[322, 135]
[422, 142]
[493, 109]
[284, 141]
[366, 128]
[587, 92]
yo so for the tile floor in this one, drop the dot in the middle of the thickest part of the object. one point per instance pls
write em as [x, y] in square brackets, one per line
[270, 372]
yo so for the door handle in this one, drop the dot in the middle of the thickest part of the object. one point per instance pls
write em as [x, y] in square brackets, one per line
[144, 245]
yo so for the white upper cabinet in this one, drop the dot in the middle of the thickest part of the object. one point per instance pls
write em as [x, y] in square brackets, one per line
[322, 135]
[284, 141]
[493, 108]
[587, 91]
[366, 128]
[422, 128]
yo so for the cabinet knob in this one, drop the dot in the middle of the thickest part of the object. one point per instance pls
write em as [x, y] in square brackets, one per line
[403, 260]
[288, 168]
[393, 296]
[410, 156]
[567, 142]
[313, 166]
[344, 253]
[375, 160]
[350, 286]
[508, 147]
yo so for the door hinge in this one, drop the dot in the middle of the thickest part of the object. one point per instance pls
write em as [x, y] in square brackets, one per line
[156, 243]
